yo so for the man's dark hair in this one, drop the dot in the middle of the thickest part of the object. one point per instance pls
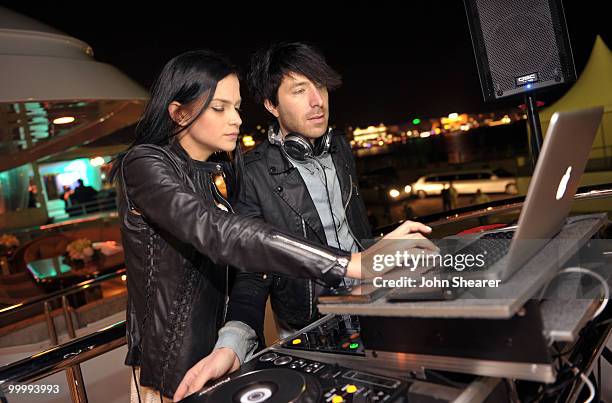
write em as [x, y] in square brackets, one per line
[269, 66]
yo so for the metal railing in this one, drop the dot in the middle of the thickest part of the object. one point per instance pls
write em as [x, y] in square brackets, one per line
[63, 292]
[66, 357]
[74, 375]
[94, 206]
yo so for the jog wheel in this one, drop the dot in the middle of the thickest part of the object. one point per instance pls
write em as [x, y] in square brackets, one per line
[276, 385]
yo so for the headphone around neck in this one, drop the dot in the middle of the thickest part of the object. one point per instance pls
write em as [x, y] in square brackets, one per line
[297, 146]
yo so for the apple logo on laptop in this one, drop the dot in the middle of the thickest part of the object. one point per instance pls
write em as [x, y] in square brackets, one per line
[563, 183]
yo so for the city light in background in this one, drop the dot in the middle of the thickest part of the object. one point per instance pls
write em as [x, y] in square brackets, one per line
[382, 135]
[64, 120]
[97, 161]
[452, 124]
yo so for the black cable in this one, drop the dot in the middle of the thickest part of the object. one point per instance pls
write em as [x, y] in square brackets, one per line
[444, 379]
[596, 398]
[331, 210]
[554, 388]
[136, 383]
[559, 385]
[567, 368]
[598, 375]
[560, 354]
[604, 323]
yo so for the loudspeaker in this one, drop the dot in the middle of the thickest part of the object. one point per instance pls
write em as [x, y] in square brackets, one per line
[520, 45]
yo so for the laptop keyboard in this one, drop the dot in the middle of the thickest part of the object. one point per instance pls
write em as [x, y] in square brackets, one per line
[492, 247]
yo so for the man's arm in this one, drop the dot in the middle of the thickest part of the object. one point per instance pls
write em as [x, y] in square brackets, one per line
[248, 203]
[251, 290]
[247, 302]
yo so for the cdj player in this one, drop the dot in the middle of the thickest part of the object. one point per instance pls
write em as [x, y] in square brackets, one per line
[281, 378]
[327, 362]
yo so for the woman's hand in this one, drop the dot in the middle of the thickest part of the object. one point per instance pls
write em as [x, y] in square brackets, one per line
[218, 363]
[407, 237]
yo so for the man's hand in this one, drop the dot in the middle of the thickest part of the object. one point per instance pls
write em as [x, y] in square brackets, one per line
[218, 363]
[406, 237]
[408, 227]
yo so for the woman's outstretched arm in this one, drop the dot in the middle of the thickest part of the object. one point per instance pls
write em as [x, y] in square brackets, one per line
[153, 186]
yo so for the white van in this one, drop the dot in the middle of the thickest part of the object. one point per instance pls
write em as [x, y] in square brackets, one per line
[467, 182]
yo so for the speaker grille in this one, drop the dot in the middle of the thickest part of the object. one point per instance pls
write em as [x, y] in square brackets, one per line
[516, 38]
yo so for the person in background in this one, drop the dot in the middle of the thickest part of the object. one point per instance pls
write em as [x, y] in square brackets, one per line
[453, 196]
[481, 198]
[446, 200]
[66, 195]
[83, 194]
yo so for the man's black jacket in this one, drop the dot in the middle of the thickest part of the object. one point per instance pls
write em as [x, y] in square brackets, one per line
[274, 191]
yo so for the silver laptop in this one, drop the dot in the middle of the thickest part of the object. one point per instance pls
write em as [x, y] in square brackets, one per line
[560, 166]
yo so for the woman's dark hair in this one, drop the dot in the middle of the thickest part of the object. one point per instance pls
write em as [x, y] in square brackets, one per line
[269, 66]
[191, 80]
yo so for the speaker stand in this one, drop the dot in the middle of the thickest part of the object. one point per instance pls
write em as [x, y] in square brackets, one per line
[535, 128]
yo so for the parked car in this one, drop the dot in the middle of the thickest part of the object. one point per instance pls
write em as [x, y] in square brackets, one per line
[467, 182]
[383, 185]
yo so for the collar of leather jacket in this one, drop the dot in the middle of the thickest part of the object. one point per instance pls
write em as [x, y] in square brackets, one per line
[208, 166]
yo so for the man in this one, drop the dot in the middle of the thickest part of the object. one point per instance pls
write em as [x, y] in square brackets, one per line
[306, 184]
[481, 198]
[83, 194]
[445, 193]
[453, 196]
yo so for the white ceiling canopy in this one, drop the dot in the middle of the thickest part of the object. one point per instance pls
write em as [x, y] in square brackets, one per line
[53, 94]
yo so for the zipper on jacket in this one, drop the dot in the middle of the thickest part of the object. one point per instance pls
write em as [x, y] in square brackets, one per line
[218, 194]
[304, 250]
[310, 292]
[226, 293]
[229, 207]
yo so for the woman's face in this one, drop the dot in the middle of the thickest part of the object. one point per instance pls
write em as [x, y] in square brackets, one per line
[217, 128]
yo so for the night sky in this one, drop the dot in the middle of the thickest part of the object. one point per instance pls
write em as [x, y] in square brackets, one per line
[398, 60]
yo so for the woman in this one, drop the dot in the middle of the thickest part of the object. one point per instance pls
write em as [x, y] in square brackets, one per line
[178, 231]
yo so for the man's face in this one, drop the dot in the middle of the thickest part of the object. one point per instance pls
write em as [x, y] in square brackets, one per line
[302, 106]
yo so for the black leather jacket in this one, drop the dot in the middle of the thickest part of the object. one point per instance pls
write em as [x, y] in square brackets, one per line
[177, 243]
[275, 191]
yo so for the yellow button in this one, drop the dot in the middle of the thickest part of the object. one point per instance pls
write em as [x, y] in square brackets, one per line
[351, 388]
[296, 341]
[337, 399]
